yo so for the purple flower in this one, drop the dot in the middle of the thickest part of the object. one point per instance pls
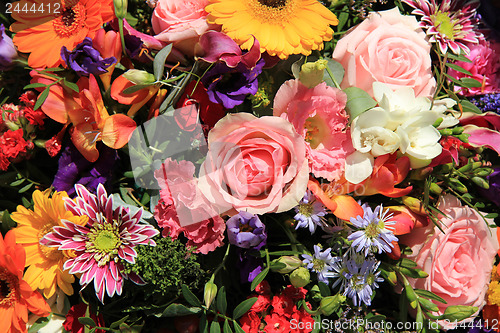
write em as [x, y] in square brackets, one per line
[75, 169]
[85, 59]
[230, 86]
[310, 213]
[320, 262]
[249, 266]
[493, 193]
[8, 51]
[245, 230]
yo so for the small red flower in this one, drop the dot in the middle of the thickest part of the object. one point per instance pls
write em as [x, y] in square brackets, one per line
[295, 294]
[276, 323]
[283, 305]
[262, 304]
[12, 143]
[250, 322]
[263, 288]
[71, 324]
[305, 319]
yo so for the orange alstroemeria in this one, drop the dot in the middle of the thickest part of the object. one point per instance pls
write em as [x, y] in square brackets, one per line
[93, 123]
[109, 44]
[341, 205]
[406, 220]
[136, 99]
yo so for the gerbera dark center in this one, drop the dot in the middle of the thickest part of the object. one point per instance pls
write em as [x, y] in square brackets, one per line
[8, 285]
[68, 16]
[70, 21]
[274, 3]
[4, 289]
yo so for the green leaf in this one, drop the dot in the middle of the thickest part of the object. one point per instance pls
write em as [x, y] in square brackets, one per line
[159, 61]
[189, 296]
[87, 321]
[117, 323]
[430, 295]
[405, 262]
[259, 278]
[428, 305]
[52, 69]
[134, 88]
[25, 188]
[343, 17]
[324, 289]
[336, 70]
[452, 79]
[214, 327]
[237, 327]
[243, 307]
[358, 101]
[458, 68]
[203, 323]
[227, 328]
[470, 83]
[17, 182]
[34, 85]
[221, 301]
[469, 107]
[458, 312]
[41, 98]
[71, 85]
[460, 57]
[177, 310]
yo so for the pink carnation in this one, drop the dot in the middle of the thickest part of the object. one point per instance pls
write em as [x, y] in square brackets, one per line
[485, 66]
[182, 208]
[318, 115]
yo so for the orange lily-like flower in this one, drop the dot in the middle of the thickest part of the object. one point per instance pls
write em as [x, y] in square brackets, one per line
[93, 123]
[109, 44]
[85, 110]
[334, 198]
[136, 99]
[406, 220]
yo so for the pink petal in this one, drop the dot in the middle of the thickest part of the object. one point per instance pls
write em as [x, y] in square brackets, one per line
[483, 137]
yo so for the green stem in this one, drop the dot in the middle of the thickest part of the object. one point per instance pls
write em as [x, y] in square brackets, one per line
[222, 263]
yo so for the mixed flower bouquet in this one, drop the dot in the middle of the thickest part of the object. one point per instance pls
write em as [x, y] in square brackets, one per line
[249, 166]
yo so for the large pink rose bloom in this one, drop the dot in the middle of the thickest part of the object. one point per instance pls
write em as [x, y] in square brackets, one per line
[183, 209]
[181, 22]
[254, 164]
[485, 66]
[459, 261]
[386, 47]
[318, 114]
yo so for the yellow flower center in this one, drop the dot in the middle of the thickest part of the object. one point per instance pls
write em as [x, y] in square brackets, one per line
[272, 11]
[444, 24]
[373, 230]
[318, 264]
[70, 21]
[7, 288]
[50, 253]
[306, 209]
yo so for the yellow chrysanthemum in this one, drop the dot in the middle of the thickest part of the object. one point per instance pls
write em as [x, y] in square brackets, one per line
[282, 27]
[45, 270]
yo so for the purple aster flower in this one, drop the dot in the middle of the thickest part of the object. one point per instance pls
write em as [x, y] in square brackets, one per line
[76, 169]
[245, 230]
[85, 59]
[493, 193]
[310, 213]
[230, 86]
[321, 262]
[374, 230]
[101, 246]
[8, 51]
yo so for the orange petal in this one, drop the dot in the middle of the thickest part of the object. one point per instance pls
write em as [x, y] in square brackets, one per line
[84, 137]
[120, 84]
[396, 251]
[347, 207]
[315, 188]
[117, 130]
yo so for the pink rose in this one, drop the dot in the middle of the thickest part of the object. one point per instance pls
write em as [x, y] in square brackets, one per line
[386, 47]
[181, 22]
[182, 208]
[318, 114]
[254, 164]
[459, 261]
[484, 67]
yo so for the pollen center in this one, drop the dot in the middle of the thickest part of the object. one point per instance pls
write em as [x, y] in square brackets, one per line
[276, 12]
[372, 230]
[444, 24]
[104, 241]
[70, 21]
[274, 3]
[318, 265]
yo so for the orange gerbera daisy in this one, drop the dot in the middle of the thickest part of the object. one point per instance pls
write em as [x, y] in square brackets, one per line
[45, 269]
[43, 33]
[16, 296]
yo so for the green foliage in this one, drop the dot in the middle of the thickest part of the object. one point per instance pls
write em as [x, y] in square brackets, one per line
[166, 267]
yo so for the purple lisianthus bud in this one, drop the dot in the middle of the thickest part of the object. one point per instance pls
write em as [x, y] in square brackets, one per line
[85, 59]
[245, 230]
[8, 51]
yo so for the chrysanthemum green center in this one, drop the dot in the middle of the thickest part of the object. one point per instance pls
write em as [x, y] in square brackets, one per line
[104, 240]
[443, 23]
[318, 265]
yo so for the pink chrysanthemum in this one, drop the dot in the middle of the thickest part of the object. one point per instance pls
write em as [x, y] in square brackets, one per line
[449, 24]
[100, 246]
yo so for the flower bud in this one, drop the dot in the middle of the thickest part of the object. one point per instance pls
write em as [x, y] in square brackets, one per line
[434, 188]
[414, 205]
[121, 7]
[8, 52]
[483, 172]
[330, 304]
[458, 130]
[210, 292]
[311, 73]
[290, 262]
[300, 277]
[137, 76]
[480, 182]
[457, 185]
